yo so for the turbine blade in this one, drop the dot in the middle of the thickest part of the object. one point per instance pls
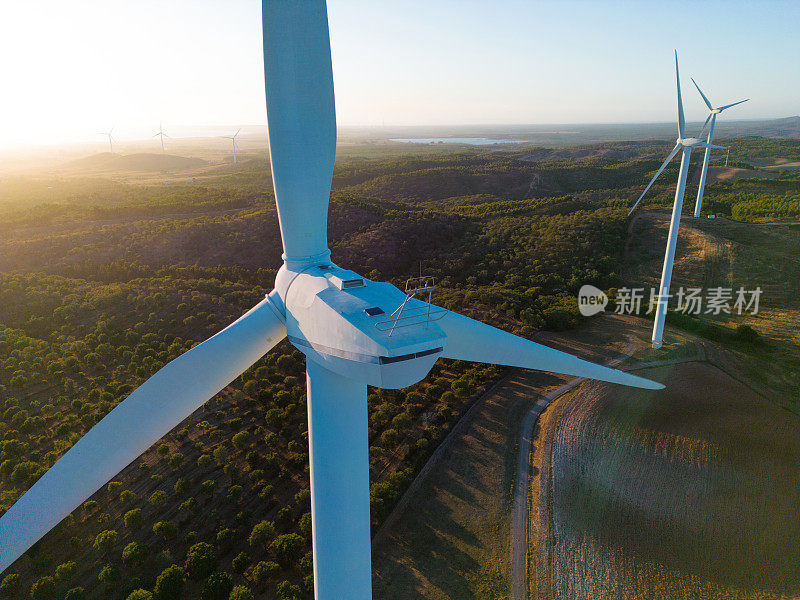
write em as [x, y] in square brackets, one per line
[681, 121]
[713, 147]
[474, 341]
[708, 104]
[708, 118]
[661, 168]
[734, 104]
[157, 406]
[302, 121]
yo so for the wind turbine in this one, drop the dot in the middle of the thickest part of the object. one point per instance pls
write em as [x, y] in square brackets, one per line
[110, 139]
[353, 331]
[163, 135]
[233, 139]
[686, 144]
[712, 116]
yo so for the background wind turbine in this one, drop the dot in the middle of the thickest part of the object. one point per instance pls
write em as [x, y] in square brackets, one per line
[162, 135]
[233, 139]
[712, 116]
[110, 139]
[686, 144]
[353, 331]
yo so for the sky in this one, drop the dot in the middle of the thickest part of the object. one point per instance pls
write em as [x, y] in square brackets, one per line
[73, 68]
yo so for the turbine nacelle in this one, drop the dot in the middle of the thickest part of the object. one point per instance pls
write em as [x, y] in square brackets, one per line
[364, 330]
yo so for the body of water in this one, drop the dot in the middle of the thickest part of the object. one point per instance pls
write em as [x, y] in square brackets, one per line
[472, 141]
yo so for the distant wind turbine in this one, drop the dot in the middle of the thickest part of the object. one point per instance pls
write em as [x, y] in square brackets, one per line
[233, 139]
[163, 135]
[687, 145]
[110, 139]
[712, 116]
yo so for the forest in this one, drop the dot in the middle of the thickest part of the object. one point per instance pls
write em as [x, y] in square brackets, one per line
[102, 282]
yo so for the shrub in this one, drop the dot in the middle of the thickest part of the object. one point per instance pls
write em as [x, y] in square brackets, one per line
[134, 554]
[204, 460]
[169, 584]
[288, 548]
[208, 486]
[262, 534]
[163, 450]
[133, 519]
[10, 584]
[44, 589]
[140, 594]
[127, 496]
[105, 540]
[287, 591]
[109, 574]
[181, 486]
[304, 525]
[158, 497]
[89, 505]
[240, 440]
[76, 593]
[225, 538]
[167, 530]
[264, 571]
[114, 486]
[200, 560]
[66, 571]
[217, 587]
[240, 563]
[241, 592]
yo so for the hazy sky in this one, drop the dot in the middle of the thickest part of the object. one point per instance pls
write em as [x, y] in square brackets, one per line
[72, 68]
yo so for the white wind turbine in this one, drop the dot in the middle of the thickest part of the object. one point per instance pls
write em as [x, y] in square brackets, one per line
[687, 144]
[712, 116]
[233, 140]
[163, 135]
[110, 139]
[353, 331]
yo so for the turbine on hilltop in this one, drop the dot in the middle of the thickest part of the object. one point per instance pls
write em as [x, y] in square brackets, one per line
[110, 139]
[163, 135]
[712, 116]
[354, 332]
[232, 138]
[687, 144]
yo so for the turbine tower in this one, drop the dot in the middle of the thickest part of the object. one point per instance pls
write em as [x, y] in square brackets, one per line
[233, 139]
[110, 139]
[686, 144]
[712, 116]
[354, 332]
[163, 135]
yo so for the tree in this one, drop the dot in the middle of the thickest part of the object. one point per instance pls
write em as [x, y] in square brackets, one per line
[169, 584]
[167, 530]
[133, 519]
[225, 538]
[76, 593]
[10, 585]
[265, 571]
[217, 587]
[241, 592]
[200, 560]
[105, 540]
[66, 571]
[304, 525]
[44, 589]
[181, 486]
[109, 574]
[158, 497]
[240, 563]
[262, 534]
[288, 548]
[126, 497]
[240, 440]
[287, 591]
[140, 594]
[134, 554]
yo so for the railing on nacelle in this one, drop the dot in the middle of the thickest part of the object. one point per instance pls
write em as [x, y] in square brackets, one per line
[406, 317]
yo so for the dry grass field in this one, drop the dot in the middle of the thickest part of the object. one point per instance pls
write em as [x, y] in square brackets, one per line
[687, 493]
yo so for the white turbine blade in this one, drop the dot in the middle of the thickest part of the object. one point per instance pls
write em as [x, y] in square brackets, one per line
[237, 132]
[712, 146]
[660, 169]
[157, 406]
[708, 118]
[474, 341]
[681, 121]
[708, 104]
[721, 108]
[302, 123]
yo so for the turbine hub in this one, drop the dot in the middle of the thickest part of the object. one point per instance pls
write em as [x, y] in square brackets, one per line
[356, 327]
